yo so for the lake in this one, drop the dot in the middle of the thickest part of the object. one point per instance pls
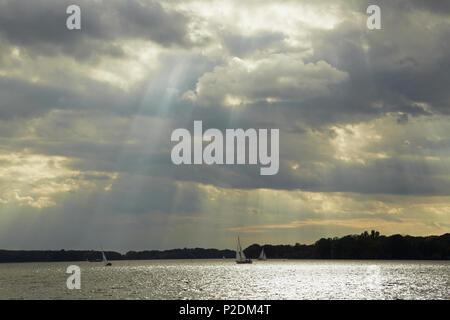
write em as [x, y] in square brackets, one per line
[224, 279]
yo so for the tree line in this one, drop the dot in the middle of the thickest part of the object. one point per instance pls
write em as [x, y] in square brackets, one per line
[364, 246]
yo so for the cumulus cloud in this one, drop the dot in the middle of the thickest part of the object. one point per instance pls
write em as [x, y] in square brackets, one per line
[278, 78]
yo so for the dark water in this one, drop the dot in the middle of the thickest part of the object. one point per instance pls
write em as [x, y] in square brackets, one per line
[224, 279]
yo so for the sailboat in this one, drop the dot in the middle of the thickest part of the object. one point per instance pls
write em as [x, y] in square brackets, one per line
[104, 260]
[240, 256]
[262, 255]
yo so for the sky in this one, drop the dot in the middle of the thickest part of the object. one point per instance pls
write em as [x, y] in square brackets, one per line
[86, 118]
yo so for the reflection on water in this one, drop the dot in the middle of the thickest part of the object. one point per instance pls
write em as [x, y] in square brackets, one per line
[224, 279]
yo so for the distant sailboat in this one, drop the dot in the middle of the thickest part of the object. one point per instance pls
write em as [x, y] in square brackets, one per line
[262, 255]
[240, 256]
[104, 260]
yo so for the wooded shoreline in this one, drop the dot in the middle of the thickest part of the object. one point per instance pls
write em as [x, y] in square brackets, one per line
[364, 246]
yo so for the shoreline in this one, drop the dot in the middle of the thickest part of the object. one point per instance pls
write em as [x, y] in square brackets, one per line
[366, 246]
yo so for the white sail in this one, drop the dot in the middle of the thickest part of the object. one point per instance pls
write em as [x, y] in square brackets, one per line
[104, 257]
[240, 256]
[262, 255]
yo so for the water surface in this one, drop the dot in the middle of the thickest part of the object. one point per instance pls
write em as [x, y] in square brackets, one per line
[224, 279]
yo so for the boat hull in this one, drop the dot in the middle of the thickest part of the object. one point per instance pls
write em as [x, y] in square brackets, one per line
[244, 261]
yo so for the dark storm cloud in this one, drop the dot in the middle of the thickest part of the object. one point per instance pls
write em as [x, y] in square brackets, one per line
[435, 6]
[393, 70]
[66, 90]
[40, 26]
[385, 78]
[403, 68]
[390, 176]
[24, 99]
[382, 79]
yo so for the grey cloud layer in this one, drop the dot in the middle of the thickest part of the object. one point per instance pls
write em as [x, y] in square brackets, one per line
[39, 26]
[348, 76]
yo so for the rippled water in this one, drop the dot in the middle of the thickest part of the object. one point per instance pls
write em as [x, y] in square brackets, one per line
[224, 279]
